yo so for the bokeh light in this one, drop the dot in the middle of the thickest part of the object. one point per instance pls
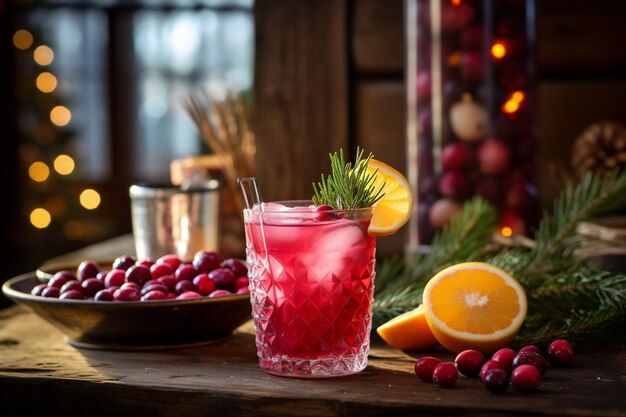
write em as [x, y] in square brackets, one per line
[60, 115]
[43, 55]
[46, 82]
[90, 199]
[38, 171]
[498, 50]
[40, 218]
[64, 164]
[22, 39]
[506, 231]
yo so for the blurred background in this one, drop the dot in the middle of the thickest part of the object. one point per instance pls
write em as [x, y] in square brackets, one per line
[91, 99]
[91, 102]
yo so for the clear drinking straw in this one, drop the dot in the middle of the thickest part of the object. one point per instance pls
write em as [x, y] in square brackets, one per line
[253, 201]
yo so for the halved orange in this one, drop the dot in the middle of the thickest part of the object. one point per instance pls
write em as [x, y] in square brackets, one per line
[474, 305]
[393, 210]
[408, 331]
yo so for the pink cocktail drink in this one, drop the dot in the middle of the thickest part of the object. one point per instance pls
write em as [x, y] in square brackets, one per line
[312, 283]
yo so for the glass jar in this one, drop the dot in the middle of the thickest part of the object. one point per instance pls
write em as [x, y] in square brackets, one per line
[472, 124]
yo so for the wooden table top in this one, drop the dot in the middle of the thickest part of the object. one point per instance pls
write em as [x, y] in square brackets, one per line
[40, 372]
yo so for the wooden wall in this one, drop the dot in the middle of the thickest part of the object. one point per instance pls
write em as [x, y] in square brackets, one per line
[330, 74]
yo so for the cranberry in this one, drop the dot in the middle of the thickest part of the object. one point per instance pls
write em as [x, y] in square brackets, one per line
[51, 292]
[38, 289]
[511, 219]
[187, 272]
[457, 156]
[530, 358]
[238, 266]
[71, 285]
[425, 366]
[505, 356]
[87, 269]
[184, 286]
[151, 282]
[496, 381]
[131, 285]
[224, 278]
[423, 84]
[469, 362]
[160, 270]
[172, 260]
[127, 294]
[488, 366]
[472, 68]
[91, 286]
[455, 185]
[560, 352]
[531, 348]
[445, 374]
[112, 289]
[494, 156]
[169, 281]
[204, 285]
[60, 278]
[102, 275]
[72, 295]
[442, 211]
[219, 293]
[188, 295]
[145, 262]
[103, 295]
[242, 290]
[154, 287]
[138, 274]
[526, 378]
[124, 262]
[242, 282]
[153, 295]
[323, 213]
[115, 278]
[170, 295]
[205, 261]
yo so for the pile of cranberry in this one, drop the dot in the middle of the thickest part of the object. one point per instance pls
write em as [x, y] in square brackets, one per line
[167, 278]
[523, 369]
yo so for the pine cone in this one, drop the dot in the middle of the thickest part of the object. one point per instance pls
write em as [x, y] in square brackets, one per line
[600, 148]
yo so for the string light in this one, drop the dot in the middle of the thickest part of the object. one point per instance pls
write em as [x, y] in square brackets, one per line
[513, 103]
[40, 218]
[64, 164]
[455, 2]
[498, 50]
[38, 171]
[506, 231]
[22, 39]
[90, 199]
[46, 82]
[60, 116]
[43, 55]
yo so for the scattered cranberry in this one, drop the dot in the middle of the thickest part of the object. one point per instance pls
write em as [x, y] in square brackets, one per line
[91, 286]
[127, 294]
[489, 365]
[187, 272]
[445, 374]
[172, 261]
[237, 266]
[60, 278]
[38, 289]
[425, 366]
[160, 270]
[470, 362]
[224, 278]
[530, 358]
[153, 295]
[205, 261]
[526, 378]
[123, 262]
[219, 293]
[51, 292]
[138, 274]
[532, 348]
[104, 295]
[496, 381]
[505, 356]
[71, 285]
[72, 295]
[184, 286]
[204, 284]
[87, 269]
[560, 352]
[116, 278]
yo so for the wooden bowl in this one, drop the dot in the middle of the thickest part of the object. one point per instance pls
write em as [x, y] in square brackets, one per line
[134, 325]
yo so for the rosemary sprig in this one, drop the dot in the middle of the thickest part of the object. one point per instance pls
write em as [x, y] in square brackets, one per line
[349, 186]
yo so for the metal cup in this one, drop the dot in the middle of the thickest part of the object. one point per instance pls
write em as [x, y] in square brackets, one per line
[168, 219]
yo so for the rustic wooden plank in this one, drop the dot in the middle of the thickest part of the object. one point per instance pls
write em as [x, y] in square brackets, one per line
[301, 92]
[378, 36]
[225, 379]
[580, 38]
[379, 127]
[565, 110]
